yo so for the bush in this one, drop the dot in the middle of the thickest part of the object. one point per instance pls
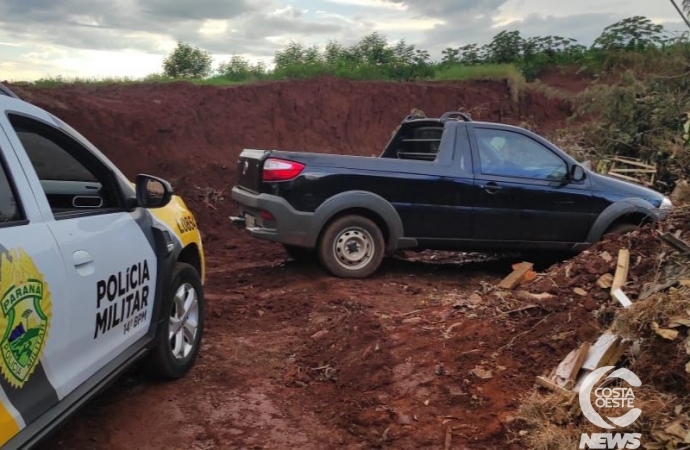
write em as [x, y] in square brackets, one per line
[188, 62]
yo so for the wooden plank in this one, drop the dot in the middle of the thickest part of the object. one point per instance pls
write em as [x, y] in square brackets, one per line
[543, 382]
[605, 281]
[652, 171]
[616, 353]
[601, 351]
[579, 361]
[622, 268]
[621, 298]
[633, 162]
[562, 374]
[517, 276]
[567, 370]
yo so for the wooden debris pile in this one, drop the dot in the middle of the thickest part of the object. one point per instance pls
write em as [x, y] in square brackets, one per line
[643, 323]
[633, 169]
[567, 378]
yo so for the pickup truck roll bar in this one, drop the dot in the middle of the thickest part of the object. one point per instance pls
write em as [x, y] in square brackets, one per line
[453, 114]
[445, 117]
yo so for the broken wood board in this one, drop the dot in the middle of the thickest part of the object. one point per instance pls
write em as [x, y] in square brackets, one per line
[520, 271]
[606, 350]
[622, 268]
[548, 384]
[567, 370]
[620, 296]
[605, 281]
[641, 172]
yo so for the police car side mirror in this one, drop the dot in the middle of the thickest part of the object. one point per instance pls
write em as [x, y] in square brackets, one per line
[152, 192]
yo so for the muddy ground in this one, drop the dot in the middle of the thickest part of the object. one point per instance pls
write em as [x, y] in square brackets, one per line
[424, 351]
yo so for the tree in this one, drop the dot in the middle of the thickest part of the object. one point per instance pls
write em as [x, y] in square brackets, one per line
[188, 62]
[506, 47]
[292, 55]
[634, 33]
[237, 69]
[450, 56]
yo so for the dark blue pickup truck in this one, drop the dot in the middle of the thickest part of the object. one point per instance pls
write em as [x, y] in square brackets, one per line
[447, 183]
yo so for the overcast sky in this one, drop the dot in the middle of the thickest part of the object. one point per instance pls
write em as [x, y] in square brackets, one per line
[99, 38]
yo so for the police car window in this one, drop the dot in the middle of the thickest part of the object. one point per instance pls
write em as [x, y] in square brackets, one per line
[73, 180]
[9, 208]
[51, 161]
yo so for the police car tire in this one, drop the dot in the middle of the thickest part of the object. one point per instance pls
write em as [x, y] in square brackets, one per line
[160, 362]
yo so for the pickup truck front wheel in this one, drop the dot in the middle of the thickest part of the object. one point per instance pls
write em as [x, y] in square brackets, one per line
[351, 247]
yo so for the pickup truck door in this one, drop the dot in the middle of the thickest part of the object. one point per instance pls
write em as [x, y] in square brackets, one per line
[520, 192]
[35, 308]
[107, 251]
[433, 197]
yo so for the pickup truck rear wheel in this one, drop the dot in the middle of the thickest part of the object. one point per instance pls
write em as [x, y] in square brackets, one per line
[351, 247]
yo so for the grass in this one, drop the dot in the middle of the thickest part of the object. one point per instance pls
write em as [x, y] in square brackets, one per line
[479, 72]
[452, 73]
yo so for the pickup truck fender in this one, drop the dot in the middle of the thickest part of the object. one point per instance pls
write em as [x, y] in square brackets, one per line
[360, 200]
[617, 210]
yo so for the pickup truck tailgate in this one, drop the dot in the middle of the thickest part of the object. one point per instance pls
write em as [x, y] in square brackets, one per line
[249, 167]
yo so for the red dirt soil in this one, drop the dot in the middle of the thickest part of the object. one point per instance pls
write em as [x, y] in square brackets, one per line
[424, 350]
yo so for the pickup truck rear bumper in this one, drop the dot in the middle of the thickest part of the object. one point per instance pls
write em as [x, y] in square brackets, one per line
[287, 226]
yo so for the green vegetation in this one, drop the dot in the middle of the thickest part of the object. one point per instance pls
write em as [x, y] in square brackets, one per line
[645, 114]
[508, 55]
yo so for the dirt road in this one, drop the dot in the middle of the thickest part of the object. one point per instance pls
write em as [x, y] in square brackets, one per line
[294, 358]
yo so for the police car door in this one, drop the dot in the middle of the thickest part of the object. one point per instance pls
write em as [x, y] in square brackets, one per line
[107, 251]
[34, 314]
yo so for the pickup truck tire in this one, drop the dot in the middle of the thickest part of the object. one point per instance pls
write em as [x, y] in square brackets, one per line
[301, 254]
[351, 247]
[173, 356]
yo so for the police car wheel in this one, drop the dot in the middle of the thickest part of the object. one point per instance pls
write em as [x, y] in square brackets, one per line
[179, 338]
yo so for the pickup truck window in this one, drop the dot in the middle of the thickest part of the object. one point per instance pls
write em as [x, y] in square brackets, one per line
[416, 141]
[510, 154]
[9, 207]
[73, 181]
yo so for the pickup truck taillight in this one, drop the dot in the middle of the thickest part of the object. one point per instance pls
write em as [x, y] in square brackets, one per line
[281, 170]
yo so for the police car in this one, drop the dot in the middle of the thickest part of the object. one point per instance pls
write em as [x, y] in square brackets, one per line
[96, 273]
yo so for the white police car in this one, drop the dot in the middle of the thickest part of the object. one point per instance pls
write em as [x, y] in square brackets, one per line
[96, 273]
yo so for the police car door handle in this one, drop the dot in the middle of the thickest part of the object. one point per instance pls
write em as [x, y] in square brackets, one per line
[81, 258]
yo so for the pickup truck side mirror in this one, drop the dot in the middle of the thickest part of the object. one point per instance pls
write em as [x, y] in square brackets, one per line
[577, 173]
[152, 192]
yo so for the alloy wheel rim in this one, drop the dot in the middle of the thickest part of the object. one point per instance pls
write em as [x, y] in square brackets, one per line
[184, 321]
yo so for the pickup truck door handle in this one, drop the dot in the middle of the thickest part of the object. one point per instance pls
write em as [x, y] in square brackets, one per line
[491, 187]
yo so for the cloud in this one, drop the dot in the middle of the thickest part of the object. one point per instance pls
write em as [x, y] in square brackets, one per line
[101, 33]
